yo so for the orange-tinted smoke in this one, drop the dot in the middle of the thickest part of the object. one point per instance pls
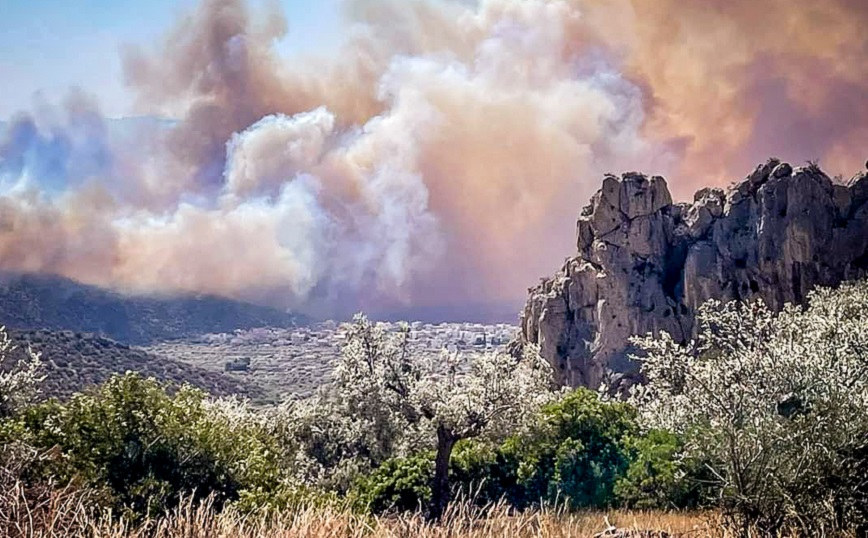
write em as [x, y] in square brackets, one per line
[736, 81]
[441, 156]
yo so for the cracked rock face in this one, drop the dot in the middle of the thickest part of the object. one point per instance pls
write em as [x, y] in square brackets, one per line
[645, 264]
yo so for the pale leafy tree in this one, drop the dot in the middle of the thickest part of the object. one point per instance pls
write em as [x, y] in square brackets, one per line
[19, 384]
[402, 402]
[775, 403]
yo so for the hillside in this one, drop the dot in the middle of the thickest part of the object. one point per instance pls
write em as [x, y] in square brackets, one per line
[74, 361]
[55, 303]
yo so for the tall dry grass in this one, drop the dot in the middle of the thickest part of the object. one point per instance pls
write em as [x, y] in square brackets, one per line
[67, 513]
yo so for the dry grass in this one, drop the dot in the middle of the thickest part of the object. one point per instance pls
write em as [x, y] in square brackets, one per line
[63, 513]
[54, 512]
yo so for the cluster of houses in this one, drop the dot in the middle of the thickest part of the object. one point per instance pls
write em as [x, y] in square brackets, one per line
[329, 336]
[294, 361]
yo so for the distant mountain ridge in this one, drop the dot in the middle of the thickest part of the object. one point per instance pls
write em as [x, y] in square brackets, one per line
[57, 303]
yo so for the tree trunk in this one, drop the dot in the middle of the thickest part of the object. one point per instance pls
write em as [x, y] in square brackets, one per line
[440, 486]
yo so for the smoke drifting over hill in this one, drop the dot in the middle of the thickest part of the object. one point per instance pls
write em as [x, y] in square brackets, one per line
[437, 159]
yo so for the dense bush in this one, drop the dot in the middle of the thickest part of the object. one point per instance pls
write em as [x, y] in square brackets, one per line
[578, 451]
[587, 452]
[487, 474]
[147, 448]
[584, 452]
[400, 484]
[659, 477]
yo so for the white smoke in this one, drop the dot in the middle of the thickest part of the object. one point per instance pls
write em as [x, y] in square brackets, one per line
[439, 158]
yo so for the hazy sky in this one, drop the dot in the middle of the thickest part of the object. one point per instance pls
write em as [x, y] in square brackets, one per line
[50, 45]
[433, 153]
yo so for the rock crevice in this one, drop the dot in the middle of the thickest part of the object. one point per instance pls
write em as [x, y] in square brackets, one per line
[644, 264]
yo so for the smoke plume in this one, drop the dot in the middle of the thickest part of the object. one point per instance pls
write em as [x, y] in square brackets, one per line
[439, 158]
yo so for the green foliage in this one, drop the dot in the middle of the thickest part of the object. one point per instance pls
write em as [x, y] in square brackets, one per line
[287, 496]
[144, 446]
[578, 451]
[657, 477]
[487, 474]
[400, 484]
[149, 448]
[586, 452]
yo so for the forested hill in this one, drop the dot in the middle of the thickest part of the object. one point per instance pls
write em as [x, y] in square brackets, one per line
[56, 303]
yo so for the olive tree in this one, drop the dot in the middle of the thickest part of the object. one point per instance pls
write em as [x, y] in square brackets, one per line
[19, 383]
[775, 403]
[405, 402]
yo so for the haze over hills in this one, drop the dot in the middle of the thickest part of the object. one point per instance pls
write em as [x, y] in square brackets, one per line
[57, 303]
[86, 334]
[405, 168]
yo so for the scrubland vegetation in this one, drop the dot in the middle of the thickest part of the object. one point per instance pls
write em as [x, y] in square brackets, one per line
[75, 361]
[757, 428]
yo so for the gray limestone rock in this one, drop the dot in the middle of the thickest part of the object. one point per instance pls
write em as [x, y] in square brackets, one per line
[644, 264]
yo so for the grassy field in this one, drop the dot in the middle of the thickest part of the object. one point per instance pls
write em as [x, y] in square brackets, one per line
[60, 513]
[324, 523]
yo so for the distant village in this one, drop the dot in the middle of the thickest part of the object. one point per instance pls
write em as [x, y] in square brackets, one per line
[295, 361]
[448, 336]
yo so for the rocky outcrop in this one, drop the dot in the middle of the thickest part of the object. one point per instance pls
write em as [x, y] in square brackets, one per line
[645, 264]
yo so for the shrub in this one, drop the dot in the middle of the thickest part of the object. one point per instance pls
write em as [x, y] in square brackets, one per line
[577, 452]
[658, 477]
[486, 474]
[400, 484]
[777, 405]
[149, 448]
[582, 452]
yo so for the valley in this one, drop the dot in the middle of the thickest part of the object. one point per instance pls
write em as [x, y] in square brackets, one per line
[293, 362]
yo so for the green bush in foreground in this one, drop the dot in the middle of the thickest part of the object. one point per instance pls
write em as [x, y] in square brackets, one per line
[657, 477]
[147, 448]
[585, 452]
[400, 484]
[576, 453]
